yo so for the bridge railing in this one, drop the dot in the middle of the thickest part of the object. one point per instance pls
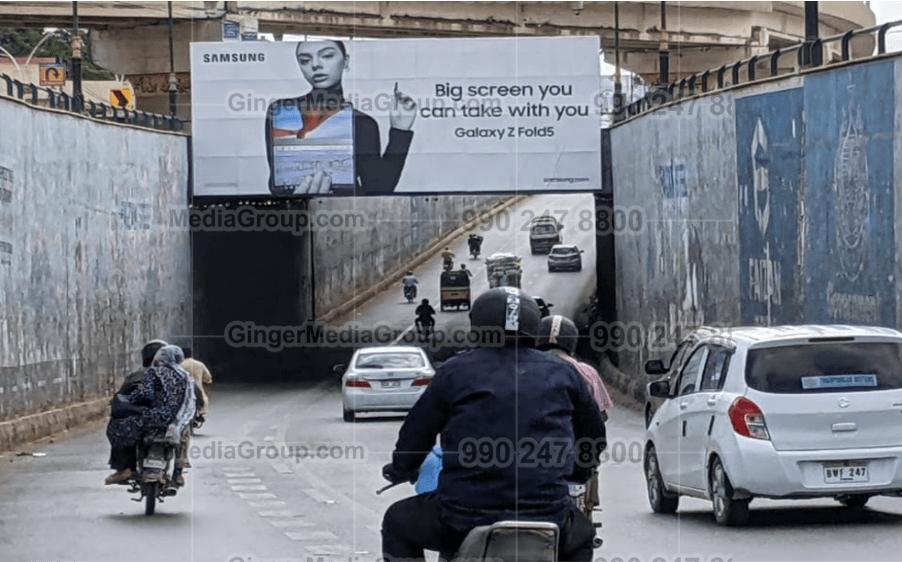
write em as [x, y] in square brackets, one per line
[756, 67]
[48, 97]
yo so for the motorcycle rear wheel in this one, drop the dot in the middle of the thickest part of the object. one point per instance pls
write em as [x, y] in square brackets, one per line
[150, 497]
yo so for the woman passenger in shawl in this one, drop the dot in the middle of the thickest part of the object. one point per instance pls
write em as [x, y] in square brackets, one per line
[343, 134]
[162, 393]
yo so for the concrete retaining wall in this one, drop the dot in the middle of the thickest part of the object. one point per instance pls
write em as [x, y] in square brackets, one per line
[767, 204]
[89, 265]
[392, 232]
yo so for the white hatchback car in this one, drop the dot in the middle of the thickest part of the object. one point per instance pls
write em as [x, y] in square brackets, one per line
[383, 379]
[785, 412]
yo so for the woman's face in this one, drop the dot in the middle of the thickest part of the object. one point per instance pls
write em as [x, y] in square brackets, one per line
[322, 63]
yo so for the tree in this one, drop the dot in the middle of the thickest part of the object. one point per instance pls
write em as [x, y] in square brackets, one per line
[20, 42]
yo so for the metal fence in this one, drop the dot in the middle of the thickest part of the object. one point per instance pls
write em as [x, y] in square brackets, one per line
[48, 97]
[807, 55]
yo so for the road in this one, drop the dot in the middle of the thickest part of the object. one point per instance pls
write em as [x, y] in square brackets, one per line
[263, 488]
[505, 232]
[288, 507]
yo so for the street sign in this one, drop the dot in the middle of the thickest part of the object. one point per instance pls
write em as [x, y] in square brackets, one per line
[123, 97]
[52, 74]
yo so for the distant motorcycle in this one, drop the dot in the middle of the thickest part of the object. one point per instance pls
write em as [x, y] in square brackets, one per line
[475, 244]
[425, 328]
[447, 263]
[410, 293]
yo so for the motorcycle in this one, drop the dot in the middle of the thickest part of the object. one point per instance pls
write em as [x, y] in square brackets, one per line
[533, 541]
[474, 251]
[154, 478]
[447, 263]
[425, 327]
[410, 293]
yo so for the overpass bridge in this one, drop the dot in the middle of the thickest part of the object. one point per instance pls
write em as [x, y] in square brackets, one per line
[131, 38]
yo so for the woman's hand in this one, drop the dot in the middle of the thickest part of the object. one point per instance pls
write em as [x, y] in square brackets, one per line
[403, 111]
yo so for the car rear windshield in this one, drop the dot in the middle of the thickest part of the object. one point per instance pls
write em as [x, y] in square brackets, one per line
[389, 361]
[544, 228]
[825, 367]
[562, 251]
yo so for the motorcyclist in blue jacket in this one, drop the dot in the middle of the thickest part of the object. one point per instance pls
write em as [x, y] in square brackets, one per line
[515, 424]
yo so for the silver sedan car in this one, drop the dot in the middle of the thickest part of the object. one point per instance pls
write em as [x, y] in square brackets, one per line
[383, 379]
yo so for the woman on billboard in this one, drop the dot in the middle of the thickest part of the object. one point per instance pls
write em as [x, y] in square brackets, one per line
[319, 143]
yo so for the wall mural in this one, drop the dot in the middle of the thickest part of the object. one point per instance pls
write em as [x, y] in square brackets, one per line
[768, 163]
[849, 197]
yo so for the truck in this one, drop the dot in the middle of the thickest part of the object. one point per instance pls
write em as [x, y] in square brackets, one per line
[544, 232]
[503, 270]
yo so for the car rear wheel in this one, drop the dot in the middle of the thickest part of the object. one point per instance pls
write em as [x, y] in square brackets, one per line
[727, 511]
[660, 500]
[854, 502]
[348, 415]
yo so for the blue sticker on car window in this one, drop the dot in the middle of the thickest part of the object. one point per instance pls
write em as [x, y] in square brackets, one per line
[839, 381]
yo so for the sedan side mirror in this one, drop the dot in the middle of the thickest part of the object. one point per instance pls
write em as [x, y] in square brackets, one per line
[549, 305]
[338, 369]
[659, 389]
[582, 251]
[655, 367]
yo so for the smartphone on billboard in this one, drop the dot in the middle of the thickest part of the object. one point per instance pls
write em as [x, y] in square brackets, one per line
[307, 146]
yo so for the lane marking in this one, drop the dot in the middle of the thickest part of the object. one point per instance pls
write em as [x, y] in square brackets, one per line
[237, 469]
[326, 549]
[404, 333]
[239, 475]
[318, 495]
[267, 504]
[245, 481]
[311, 536]
[248, 488]
[285, 523]
[282, 468]
[277, 513]
[256, 496]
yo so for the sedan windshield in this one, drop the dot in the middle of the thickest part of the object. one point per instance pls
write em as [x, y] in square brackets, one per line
[389, 361]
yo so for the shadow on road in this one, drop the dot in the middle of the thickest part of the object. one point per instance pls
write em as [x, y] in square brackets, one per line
[801, 517]
[160, 520]
[376, 419]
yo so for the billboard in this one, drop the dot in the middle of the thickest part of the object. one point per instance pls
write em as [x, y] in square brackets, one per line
[396, 116]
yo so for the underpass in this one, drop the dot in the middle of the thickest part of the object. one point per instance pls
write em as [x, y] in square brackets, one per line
[504, 232]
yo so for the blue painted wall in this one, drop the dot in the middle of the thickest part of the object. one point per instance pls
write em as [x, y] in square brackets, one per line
[769, 168]
[849, 195]
[772, 203]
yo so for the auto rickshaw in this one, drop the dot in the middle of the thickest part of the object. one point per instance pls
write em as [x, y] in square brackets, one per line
[455, 289]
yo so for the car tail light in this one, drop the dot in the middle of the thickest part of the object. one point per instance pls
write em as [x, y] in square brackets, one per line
[421, 381]
[357, 383]
[748, 419]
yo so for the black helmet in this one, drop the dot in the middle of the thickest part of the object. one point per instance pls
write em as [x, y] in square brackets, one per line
[507, 309]
[150, 349]
[557, 331]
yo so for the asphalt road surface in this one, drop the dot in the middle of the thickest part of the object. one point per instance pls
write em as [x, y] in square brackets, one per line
[260, 491]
